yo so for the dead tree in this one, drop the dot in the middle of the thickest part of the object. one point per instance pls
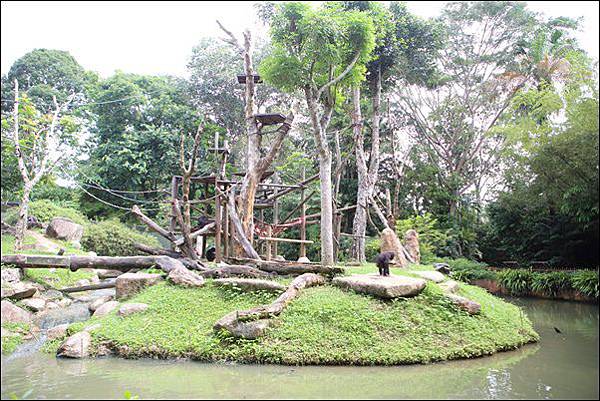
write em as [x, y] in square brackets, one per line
[256, 165]
[39, 163]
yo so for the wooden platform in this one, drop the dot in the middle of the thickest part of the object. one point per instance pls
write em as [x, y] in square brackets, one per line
[270, 119]
[242, 79]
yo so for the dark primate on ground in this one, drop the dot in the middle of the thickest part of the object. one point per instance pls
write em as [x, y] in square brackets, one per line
[383, 262]
[210, 254]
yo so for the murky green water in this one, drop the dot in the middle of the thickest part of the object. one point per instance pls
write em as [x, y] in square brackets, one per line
[559, 366]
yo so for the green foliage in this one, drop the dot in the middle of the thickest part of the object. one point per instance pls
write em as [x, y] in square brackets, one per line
[57, 278]
[45, 210]
[113, 238]
[325, 325]
[11, 342]
[432, 239]
[372, 248]
[550, 283]
[516, 281]
[468, 270]
[586, 282]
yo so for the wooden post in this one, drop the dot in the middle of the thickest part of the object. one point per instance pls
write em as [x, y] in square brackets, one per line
[275, 221]
[269, 233]
[262, 218]
[226, 242]
[173, 219]
[303, 216]
[218, 254]
[337, 227]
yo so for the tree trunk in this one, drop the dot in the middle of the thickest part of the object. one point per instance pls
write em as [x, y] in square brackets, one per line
[21, 226]
[326, 210]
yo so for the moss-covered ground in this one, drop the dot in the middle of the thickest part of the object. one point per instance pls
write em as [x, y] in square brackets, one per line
[325, 325]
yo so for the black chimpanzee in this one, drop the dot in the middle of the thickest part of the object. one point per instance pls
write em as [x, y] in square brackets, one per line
[210, 254]
[383, 262]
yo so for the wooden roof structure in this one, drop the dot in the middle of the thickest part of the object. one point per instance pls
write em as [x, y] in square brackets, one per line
[242, 79]
[270, 119]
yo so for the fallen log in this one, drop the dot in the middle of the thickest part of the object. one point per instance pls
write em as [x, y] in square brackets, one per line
[235, 271]
[283, 268]
[252, 323]
[75, 262]
[89, 287]
[189, 263]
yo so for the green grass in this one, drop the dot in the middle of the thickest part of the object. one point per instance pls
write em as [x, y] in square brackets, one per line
[325, 325]
[9, 344]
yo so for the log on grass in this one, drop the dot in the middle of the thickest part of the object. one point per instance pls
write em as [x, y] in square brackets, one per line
[75, 262]
[189, 263]
[252, 323]
[89, 287]
[235, 271]
[292, 268]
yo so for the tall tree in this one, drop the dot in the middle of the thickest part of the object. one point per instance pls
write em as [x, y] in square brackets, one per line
[319, 52]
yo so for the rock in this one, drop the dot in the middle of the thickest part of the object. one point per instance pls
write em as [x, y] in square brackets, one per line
[411, 243]
[279, 258]
[436, 277]
[19, 290]
[471, 307]
[129, 284]
[104, 274]
[184, 277]
[106, 308]
[76, 244]
[54, 315]
[81, 283]
[7, 333]
[248, 284]
[59, 331]
[64, 229]
[52, 305]
[303, 259]
[51, 294]
[63, 303]
[99, 302]
[34, 304]
[450, 286]
[390, 243]
[104, 349]
[129, 309]
[93, 327]
[76, 346]
[11, 313]
[383, 287]
[443, 268]
[11, 275]
[95, 279]
[92, 253]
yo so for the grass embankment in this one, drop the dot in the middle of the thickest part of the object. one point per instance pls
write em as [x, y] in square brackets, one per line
[11, 342]
[325, 325]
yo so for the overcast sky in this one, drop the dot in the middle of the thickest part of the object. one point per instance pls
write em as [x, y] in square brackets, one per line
[157, 37]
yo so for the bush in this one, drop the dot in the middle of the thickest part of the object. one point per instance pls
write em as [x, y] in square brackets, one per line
[372, 248]
[432, 240]
[113, 238]
[517, 281]
[469, 270]
[550, 283]
[586, 282]
[45, 210]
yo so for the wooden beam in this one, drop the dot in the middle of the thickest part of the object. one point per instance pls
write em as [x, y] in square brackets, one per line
[303, 200]
[291, 240]
[286, 191]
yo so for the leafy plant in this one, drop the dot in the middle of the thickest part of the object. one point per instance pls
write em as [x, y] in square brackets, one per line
[45, 210]
[113, 238]
[586, 282]
[432, 239]
[516, 281]
[550, 283]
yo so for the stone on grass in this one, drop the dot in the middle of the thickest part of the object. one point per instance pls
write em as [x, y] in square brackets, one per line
[106, 308]
[11, 313]
[130, 309]
[411, 243]
[57, 331]
[184, 277]
[436, 277]
[64, 229]
[442, 268]
[303, 259]
[34, 304]
[129, 284]
[76, 346]
[471, 307]
[11, 275]
[279, 258]
[390, 243]
[19, 290]
[248, 284]
[92, 327]
[449, 286]
[382, 287]
[103, 273]
[97, 303]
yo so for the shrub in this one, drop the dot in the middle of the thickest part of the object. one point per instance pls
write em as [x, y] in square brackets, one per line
[586, 282]
[372, 247]
[550, 283]
[432, 240]
[516, 281]
[113, 238]
[45, 210]
[469, 270]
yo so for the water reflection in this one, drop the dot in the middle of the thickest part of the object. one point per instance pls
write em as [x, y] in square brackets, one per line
[560, 366]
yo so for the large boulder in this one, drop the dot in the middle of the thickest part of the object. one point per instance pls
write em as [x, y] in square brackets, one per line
[11, 275]
[76, 346]
[59, 331]
[450, 286]
[106, 308]
[430, 275]
[411, 243]
[303, 259]
[387, 287]
[129, 284]
[130, 309]
[11, 313]
[64, 229]
[185, 277]
[19, 290]
[390, 243]
[98, 302]
[249, 284]
[34, 304]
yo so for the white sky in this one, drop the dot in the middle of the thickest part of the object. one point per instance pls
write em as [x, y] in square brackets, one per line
[157, 37]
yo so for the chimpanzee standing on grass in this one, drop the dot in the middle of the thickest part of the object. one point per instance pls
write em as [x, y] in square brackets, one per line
[383, 262]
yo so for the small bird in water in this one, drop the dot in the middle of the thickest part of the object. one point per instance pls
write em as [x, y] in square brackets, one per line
[557, 330]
